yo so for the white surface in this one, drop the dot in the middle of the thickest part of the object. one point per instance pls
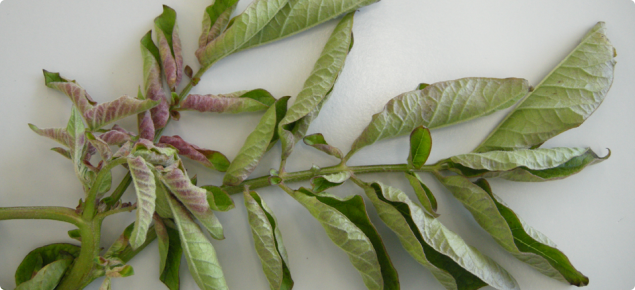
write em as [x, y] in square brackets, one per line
[398, 44]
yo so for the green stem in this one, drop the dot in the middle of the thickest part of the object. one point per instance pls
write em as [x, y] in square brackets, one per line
[63, 214]
[128, 253]
[90, 207]
[118, 192]
[81, 273]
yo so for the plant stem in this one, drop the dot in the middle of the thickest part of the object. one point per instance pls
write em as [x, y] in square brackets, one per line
[63, 214]
[81, 273]
[128, 253]
[121, 188]
[90, 207]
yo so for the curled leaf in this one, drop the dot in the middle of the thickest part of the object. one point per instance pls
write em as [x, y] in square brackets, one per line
[215, 20]
[48, 277]
[238, 102]
[116, 136]
[153, 86]
[425, 196]
[100, 145]
[145, 188]
[218, 199]
[509, 231]
[146, 126]
[58, 134]
[317, 141]
[120, 244]
[324, 182]
[167, 32]
[77, 94]
[268, 242]
[439, 105]
[564, 98]
[106, 113]
[210, 158]
[42, 256]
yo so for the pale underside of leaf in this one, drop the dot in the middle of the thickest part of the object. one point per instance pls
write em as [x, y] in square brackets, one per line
[164, 241]
[146, 126]
[48, 277]
[535, 159]
[77, 94]
[58, 134]
[321, 81]
[199, 252]
[145, 188]
[441, 104]
[106, 113]
[564, 98]
[224, 103]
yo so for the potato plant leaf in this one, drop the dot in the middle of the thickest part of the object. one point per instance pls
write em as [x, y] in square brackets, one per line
[425, 196]
[36, 259]
[146, 125]
[299, 15]
[58, 134]
[238, 102]
[78, 145]
[420, 147]
[70, 88]
[532, 165]
[170, 252]
[509, 232]
[194, 199]
[439, 105]
[348, 226]
[167, 33]
[153, 87]
[115, 136]
[455, 264]
[218, 199]
[268, 242]
[145, 188]
[121, 243]
[48, 277]
[566, 97]
[107, 113]
[199, 252]
[210, 158]
[215, 20]
[319, 84]
[256, 145]
[317, 141]
[242, 28]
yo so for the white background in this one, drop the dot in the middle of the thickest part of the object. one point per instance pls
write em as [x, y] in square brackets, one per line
[398, 44]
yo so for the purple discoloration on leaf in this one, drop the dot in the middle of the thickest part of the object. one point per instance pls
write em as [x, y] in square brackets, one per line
[209, 158]
[169, 46]
[145, 188]
[146, 126]
[58, 134]
[124, 150]
[115, 137]
[194, 198]
[77, 94]
[152, 82]
[62, 151]
[227, 103]
[215, 20]
[101, 146]
[178, 54]
[122, 107]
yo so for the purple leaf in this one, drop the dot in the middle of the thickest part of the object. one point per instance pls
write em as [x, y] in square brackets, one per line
[164, 156]
[215, 20]
[123, 151]
[58, 134]
[100, 145]
[237, 102]
[115, 137]
[145, 188]
[210, 158]
[77, 94]
[109, 112]
[169, 46]
[152, 81]
[146, 126]
[62, 151]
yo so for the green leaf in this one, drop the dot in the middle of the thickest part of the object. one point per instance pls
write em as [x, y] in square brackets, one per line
[564, 98]
[77, 145]
[75, 234]
[170, 252]
[120, 245]
[256, 145]
[210, 158]
[77, 94]
[153, 87]
[242, 29]
[194, 199]
[439, 105]
[199, 252]
[317, 141]
[299, 15]
[455, 264]
[107, 113]
[425, 196]
[233, 103]
[145, 188]
[162, 207]
[48, 277]
[167, 33]
[525, 164]
[215, 20]
[319, 84]
[420, 147]
[268, 242]
[348, 226]
[218, 199]
[41, 256]
[509, 232]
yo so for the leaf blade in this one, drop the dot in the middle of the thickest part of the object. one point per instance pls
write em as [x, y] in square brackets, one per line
[145, 189]
[420, 147]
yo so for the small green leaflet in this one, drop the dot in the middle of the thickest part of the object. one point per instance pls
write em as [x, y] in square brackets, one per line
[509, 232]
[233, 103]
[455, 264]
[319, 84]
[439, 105]
[145, 188]
[317, 141]
[268, 242]
[348, 226]
[167, 32]
[198, 251]
[256, 145]
[420, 147]
[48, 277]
[525, 164]
[241, 30]
[215, 19]
[299, 15]
[36, 259]
[218, 199]
[170, 252]
[425, 196]
[324, 182]
[564, 98]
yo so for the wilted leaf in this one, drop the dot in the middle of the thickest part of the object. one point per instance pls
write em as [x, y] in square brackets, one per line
[425, 196]
[439, 105]
[116, 136]
[152, 84]
[106, 113]
[317, 141]
[420, 147]
[102, 147]
[77, 94]
[256, 145]
[145, 188]
[210, 158]
[215, 20]
[509, 232]
[218, 199]
[48, 277]
[198, 251]
[319, 84]
[348, 226]
[146, 125]
[238, 102]
[164, 156]
[563, 99]
[268, 242]
[455, 264]
[167, 32]
[41, 256]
